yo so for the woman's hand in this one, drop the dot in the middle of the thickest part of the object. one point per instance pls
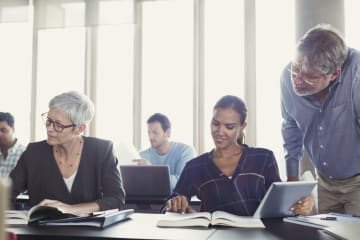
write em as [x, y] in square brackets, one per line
[179, 204]
[77, 209]
[304, 206]
[55, 203]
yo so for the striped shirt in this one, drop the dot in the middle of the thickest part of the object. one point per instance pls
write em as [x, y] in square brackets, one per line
[14, 153]
[241, 194]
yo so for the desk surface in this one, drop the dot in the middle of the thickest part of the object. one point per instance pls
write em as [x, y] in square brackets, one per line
[143, 226]
[275, 229]
[139, 226]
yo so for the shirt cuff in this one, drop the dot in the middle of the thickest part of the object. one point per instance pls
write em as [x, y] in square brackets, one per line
[292, 168]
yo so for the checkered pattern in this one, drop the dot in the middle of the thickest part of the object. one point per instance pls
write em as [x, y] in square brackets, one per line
[14, 153]
[241, 194]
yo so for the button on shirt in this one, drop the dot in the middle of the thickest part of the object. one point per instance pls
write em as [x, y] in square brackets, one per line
[14, 153]
[330, 132]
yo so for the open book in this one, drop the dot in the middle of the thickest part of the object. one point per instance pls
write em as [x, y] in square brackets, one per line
[206, 219]
[54, 216]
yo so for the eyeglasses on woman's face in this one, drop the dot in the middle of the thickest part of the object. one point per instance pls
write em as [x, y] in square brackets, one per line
[58, 127]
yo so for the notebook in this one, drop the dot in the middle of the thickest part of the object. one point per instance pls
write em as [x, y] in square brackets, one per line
[281, 196]
[146, 184]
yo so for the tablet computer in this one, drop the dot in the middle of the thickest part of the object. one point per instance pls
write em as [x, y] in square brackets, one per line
[281, 196]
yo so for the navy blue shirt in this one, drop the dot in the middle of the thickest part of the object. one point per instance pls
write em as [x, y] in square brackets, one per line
[241, 194]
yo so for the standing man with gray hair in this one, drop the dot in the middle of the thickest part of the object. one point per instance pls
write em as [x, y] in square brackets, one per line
[11, 149]
[320, 100]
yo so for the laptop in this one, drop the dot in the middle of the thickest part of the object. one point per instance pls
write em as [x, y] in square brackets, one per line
[281, 196]
[146, 184]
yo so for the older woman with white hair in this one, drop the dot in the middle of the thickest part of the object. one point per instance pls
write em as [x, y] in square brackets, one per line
[69, 170]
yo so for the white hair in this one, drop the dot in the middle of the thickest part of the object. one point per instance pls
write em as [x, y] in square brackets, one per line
[79, 107]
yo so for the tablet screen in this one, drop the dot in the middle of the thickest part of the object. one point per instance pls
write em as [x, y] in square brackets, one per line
[281, 196]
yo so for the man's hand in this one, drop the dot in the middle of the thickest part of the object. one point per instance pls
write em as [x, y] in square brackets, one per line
[304, 206]
[142, 162]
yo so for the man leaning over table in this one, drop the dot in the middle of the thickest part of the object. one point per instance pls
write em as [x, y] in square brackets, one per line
[320, 99]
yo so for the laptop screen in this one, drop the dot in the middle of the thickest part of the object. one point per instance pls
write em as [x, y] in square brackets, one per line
[146, 184]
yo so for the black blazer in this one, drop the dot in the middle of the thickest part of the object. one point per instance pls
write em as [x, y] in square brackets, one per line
[97, 179]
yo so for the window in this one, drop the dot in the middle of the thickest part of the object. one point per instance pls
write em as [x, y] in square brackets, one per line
[352, 18]
[114, 105]
[61, 60]
[223, 56]
[90, 46]
[15, 75]
[273, 53]
[114, 72]
[167, 66]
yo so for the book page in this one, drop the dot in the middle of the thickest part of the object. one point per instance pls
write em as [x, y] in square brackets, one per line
[47, 208]
[170, 219]
[42, 212]
[16, 217]
[232, 220]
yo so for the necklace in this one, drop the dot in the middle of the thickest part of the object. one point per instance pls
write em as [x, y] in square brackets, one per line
[68, 160]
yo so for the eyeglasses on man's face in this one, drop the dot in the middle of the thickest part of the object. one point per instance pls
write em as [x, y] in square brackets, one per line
[58, 127]
[308, 78]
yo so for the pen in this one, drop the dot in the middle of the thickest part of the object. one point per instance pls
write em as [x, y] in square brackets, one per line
[328, 218]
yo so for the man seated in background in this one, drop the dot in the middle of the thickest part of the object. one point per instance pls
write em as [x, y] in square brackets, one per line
[11, 149]
[162, 150]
